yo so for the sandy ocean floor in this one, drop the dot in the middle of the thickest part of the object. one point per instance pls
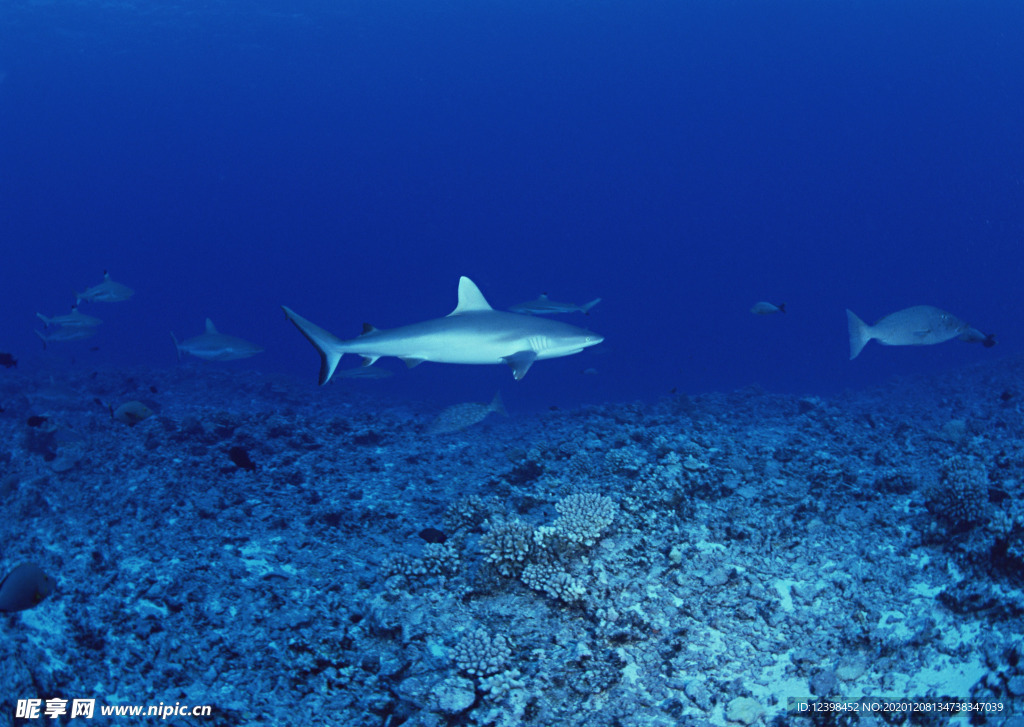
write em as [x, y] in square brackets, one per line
[290, 555]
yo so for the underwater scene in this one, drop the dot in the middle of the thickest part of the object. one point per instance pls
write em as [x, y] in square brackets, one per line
[512, 363]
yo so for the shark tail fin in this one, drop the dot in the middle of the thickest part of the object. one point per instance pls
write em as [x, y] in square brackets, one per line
[586, 308]
[177, 347]
[860, 333]
[44, 319]
[497, 405]
[41, 338]
[326, 343]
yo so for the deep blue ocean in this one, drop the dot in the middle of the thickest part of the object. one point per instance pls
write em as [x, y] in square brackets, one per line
[681, 160]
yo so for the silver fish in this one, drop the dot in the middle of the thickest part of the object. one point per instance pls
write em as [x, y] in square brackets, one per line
[920, 325]
[764, 308]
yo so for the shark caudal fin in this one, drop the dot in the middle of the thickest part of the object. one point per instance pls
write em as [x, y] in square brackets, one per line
[327, 344]
[587, 306]
[860, 333]
[497, 405]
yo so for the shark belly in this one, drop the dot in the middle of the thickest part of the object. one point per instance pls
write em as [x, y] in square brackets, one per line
[440, 344]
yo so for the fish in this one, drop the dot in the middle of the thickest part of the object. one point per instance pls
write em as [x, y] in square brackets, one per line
[74, 318]
[542, 305]
[131, 413]
[473, 333]
[7, 360]
[763, 308]
[919, 325]
[24, 587]
[460, 416]
[106, 292]
[67, 333]
[212, 345]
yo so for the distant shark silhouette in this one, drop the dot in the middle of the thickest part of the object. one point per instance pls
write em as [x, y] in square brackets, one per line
[72, 319]
[106, 292]
[542, 305]
[215, 346]
[473, 333]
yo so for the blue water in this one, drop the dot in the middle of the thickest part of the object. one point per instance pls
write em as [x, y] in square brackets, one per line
[681, 160]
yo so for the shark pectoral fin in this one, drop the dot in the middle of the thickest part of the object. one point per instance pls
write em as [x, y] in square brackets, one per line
[412, 361]
[369, 360]
[520, 362]
[326, 343]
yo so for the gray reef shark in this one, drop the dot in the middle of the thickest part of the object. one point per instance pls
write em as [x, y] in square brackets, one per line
[74, 318]
[473, 333]
[106, 292]
[215, 346]
[542, 305]
[66, 333]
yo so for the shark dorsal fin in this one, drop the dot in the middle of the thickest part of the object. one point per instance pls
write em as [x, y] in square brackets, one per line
[210, 328]
[470, 298]
[367, 328]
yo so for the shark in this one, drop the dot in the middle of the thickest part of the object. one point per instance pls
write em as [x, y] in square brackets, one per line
[473, 333]
[542, 305]
[66, 333]
[106, 292]
[74, 318]
[212, 345]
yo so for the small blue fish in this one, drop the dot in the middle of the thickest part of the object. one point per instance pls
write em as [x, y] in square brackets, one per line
[25, 587]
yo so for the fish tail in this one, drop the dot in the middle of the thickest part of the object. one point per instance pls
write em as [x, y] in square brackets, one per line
[177, 347]
[41, 338]
[44, 319]
[860, 333]
[497, 405]
[586, 308]
[327, 344]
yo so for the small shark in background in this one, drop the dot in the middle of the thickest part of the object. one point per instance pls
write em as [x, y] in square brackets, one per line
[543, 305]
[74, 318]
[106, 292]
[66, 333]
[473, 333]
[212, 345]
[458, 417]
[919, 325]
